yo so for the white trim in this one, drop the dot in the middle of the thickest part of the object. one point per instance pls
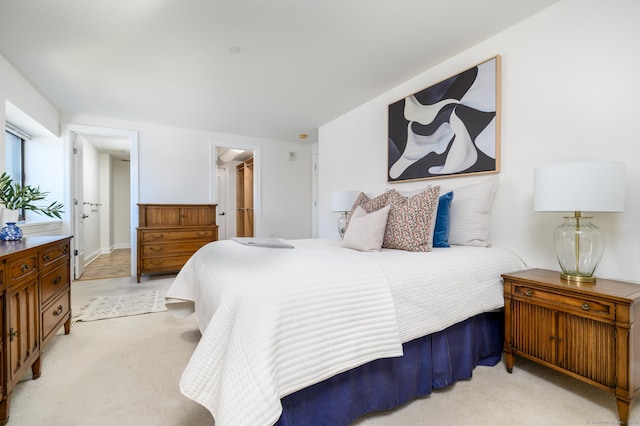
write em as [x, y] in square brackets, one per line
[257, 178]
[15, 130]
[49, 227]
[132, 135]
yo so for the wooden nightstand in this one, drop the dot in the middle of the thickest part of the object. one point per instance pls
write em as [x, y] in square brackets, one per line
[583, 330]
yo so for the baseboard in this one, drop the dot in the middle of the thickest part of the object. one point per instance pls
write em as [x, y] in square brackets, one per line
[91, 257]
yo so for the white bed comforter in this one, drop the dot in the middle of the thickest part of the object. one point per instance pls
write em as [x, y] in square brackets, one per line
[274, 321]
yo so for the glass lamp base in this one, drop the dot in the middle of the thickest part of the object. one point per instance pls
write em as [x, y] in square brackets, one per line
[579, 246]
[578, 278]
[342, 224]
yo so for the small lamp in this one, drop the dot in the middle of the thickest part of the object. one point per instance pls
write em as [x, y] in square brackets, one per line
[342, 201]
[596, 186]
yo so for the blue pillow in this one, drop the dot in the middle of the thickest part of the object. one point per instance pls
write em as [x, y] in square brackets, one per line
[441, 230]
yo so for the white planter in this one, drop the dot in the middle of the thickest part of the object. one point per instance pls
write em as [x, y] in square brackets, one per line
[8, 215]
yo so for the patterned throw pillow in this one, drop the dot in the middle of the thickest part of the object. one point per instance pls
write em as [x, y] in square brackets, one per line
[411, 220]
[370, 205]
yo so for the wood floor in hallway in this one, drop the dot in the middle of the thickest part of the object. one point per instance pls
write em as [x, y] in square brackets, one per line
[111, 265]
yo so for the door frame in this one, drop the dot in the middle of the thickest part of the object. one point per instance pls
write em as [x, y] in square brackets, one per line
[221, 182]
[257, 188]
[132, 135]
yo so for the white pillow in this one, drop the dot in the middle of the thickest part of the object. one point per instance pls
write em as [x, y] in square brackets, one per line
[469, 214]
[366, 231]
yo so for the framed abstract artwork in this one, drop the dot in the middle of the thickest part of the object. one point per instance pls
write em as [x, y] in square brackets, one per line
[451, 128]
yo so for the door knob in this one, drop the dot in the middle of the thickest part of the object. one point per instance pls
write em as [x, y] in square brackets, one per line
[221, 214]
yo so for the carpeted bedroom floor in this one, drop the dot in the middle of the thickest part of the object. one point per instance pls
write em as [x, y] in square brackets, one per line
[125, 371]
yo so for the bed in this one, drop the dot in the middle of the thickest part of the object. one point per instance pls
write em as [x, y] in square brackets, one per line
[310, 313]
[321, 334]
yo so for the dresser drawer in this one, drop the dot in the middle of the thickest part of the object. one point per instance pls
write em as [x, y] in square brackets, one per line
[53, 282]
[55, 314]
[165, 235]
[169, 248]
[567, 303]
[50, 256]
[169, 263]
[22, 267]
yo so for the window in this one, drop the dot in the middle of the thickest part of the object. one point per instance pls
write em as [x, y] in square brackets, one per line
[14, 155]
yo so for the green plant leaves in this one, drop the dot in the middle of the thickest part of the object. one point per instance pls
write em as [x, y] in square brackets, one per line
[15, 196]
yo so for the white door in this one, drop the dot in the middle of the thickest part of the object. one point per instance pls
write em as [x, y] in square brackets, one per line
[315, 192]
[221, 209]
[78, 205]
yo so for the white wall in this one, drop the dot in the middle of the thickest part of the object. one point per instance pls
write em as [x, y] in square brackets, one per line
[570, 89]
[91, 171]
[121, 204]
[178, 166]
[17, 90]
[32, 112]
[105, 210]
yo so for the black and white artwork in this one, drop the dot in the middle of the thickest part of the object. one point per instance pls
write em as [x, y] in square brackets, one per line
[450, 128]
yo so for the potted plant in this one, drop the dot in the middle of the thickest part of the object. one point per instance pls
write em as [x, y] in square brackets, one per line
[15, 196]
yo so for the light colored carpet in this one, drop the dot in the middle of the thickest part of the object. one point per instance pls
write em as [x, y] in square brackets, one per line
[104, 307]
[125, 371]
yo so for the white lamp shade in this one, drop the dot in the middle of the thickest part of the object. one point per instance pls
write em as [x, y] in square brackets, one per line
[595, 186]
[342, 201]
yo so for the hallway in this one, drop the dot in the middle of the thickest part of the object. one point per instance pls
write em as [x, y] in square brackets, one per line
[112, 265]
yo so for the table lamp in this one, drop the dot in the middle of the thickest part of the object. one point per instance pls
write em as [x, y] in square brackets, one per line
[342, 201]
[595, 186]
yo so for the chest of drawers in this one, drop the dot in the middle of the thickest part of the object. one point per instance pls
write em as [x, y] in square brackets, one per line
[35, 302]
[170, 233]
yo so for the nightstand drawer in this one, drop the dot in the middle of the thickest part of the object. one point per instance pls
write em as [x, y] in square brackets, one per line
[567, 303]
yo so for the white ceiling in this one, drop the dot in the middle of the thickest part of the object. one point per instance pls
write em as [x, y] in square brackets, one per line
[272, 69]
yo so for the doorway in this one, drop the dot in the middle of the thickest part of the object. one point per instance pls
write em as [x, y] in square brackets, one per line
[227, 157]
[104, 216]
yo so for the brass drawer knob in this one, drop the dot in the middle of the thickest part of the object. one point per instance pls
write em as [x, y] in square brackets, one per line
[159, 248]
[24, 267]
[528, 293]
[58, 311]
[46, 258]
[585, 306]
[56, 280]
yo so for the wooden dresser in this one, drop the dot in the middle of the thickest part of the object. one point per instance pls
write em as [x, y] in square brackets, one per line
[586, 331]
[169, 234]
[36, 301]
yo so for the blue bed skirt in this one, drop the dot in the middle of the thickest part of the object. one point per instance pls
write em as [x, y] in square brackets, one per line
[430, 362]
